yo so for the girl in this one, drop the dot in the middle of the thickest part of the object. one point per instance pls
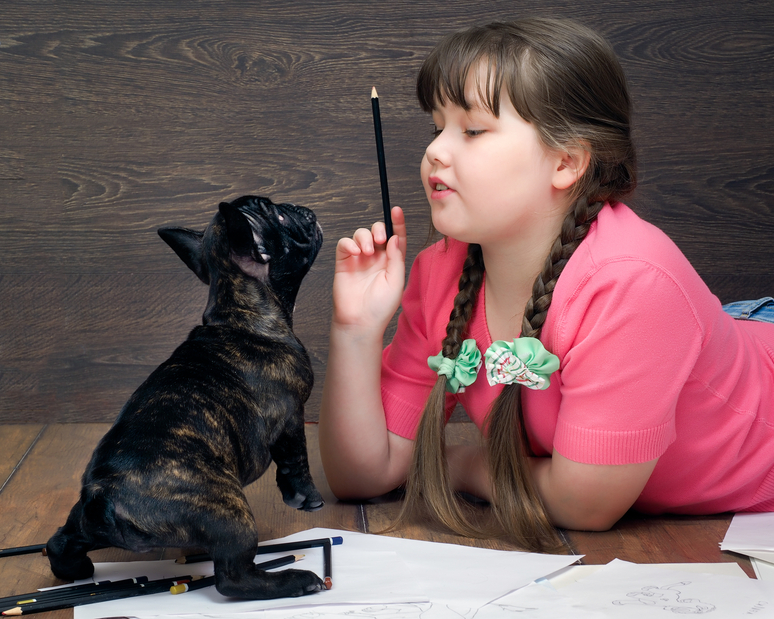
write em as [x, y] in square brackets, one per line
[640, 390]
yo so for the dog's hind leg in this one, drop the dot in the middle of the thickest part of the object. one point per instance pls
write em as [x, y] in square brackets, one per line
[236, 575]
[231, 542]
[293, 477]
[67, 548]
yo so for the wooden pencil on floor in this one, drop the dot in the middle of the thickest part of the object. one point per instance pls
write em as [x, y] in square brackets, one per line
[23, 550]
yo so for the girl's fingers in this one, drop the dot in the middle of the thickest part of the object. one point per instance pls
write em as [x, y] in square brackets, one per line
[365, 240]
[379, 232]
[347, 247]
[399, 226]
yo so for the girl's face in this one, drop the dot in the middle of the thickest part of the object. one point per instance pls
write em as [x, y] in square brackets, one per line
[489, 179]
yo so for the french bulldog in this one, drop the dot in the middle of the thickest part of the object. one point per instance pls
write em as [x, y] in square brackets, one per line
[208, 421]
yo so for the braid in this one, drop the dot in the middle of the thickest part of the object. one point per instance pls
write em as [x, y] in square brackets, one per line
[517, 505]
[469, 286]
[428, 482]
[575, 227]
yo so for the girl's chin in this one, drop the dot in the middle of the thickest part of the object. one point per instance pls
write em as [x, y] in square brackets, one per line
[458, 233]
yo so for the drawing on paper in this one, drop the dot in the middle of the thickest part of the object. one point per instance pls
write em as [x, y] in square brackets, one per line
[668, 597]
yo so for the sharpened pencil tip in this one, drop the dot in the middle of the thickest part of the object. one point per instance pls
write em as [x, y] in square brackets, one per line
[373, 93]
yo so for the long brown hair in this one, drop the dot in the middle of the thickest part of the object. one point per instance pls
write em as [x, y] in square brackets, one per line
[565, 80]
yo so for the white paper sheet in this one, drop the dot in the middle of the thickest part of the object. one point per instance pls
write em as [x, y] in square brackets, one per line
[750, 532]
[763, 570]
[367, 570]
[632, 591]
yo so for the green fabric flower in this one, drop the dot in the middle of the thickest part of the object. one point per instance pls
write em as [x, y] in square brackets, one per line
[524, 361]
[459, 372]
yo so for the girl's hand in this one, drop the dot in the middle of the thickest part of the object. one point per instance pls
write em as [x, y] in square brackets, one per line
[369, 276]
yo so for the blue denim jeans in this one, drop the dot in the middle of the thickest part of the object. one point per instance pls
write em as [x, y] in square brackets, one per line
[761, 310]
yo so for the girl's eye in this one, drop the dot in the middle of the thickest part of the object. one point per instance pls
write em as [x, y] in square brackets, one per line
[436, 131]
[471, 133]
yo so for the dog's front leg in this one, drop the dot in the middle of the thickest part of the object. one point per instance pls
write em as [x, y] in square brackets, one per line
[293, 477]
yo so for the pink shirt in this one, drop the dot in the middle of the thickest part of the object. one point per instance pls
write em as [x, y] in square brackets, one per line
[651, 367]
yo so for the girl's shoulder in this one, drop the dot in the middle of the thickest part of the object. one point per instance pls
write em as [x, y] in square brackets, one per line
[619, 233]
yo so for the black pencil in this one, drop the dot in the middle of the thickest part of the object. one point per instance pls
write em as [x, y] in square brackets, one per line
[23, 550]
[267, 548]
[83, 598]
[382, 164]
[60, 592]
[208, 581]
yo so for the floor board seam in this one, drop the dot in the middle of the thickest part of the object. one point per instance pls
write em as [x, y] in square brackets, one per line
[21, 460]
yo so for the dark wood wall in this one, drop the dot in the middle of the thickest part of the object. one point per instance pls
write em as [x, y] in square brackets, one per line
[120, 116]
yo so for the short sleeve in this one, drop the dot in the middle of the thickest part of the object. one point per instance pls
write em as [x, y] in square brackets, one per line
[629, 338]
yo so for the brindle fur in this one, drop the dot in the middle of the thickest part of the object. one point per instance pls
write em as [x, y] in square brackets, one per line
[210, 419]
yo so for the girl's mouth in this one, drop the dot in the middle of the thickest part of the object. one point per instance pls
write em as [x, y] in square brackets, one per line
[438, 189]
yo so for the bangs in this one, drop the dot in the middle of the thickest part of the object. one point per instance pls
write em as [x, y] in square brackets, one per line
[494, 60]
[446, 72]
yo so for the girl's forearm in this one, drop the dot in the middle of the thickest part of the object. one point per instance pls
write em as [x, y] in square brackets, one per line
[360, 457]
[587, 496]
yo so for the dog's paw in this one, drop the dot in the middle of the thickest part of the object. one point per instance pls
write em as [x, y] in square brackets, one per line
[298, 492]
[261, 585]
[304, 502]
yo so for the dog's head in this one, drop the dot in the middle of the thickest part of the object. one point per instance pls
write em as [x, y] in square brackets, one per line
[275, 244]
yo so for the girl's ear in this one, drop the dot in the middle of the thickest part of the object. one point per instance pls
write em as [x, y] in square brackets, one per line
[571, 166]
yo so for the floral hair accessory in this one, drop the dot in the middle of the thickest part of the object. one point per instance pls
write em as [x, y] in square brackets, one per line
[459, 372]
[524, 361]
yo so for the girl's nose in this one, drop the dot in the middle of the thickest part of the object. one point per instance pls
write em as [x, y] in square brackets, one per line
[437, 150]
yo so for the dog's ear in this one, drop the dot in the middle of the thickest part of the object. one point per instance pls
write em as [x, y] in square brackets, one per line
[247, 249]
[187, 244]
[241, 236]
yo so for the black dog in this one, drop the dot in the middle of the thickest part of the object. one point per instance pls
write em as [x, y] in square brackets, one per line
[210, 419]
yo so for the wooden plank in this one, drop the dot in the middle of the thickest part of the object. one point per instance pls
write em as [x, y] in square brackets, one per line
[39, 496]
[118, 120]
[15, 440]
[659, 539]
[37, 500]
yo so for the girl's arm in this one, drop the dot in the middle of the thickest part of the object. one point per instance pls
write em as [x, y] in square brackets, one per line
[583, 497]
[588, 497]
[361, 458]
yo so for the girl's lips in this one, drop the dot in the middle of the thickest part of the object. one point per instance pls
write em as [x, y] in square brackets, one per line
[438, 189]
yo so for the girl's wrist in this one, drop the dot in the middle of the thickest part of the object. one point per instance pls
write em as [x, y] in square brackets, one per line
[357, 332]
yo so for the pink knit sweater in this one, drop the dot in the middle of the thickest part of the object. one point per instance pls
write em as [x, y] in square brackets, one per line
[651, 367]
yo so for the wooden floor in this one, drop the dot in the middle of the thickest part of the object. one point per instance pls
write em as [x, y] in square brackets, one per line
[39, 482]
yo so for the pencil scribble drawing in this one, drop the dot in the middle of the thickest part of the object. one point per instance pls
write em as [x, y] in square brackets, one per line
[668, 598]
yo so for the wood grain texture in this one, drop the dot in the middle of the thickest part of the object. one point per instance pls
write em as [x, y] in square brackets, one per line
[45, 484]
[119, 118]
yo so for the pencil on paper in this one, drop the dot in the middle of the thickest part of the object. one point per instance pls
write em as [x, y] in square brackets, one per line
[209, 581]
[61, 592]
[267, 548]
[23, 550]
[327, 567]
[380, 158]
[81, 598]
